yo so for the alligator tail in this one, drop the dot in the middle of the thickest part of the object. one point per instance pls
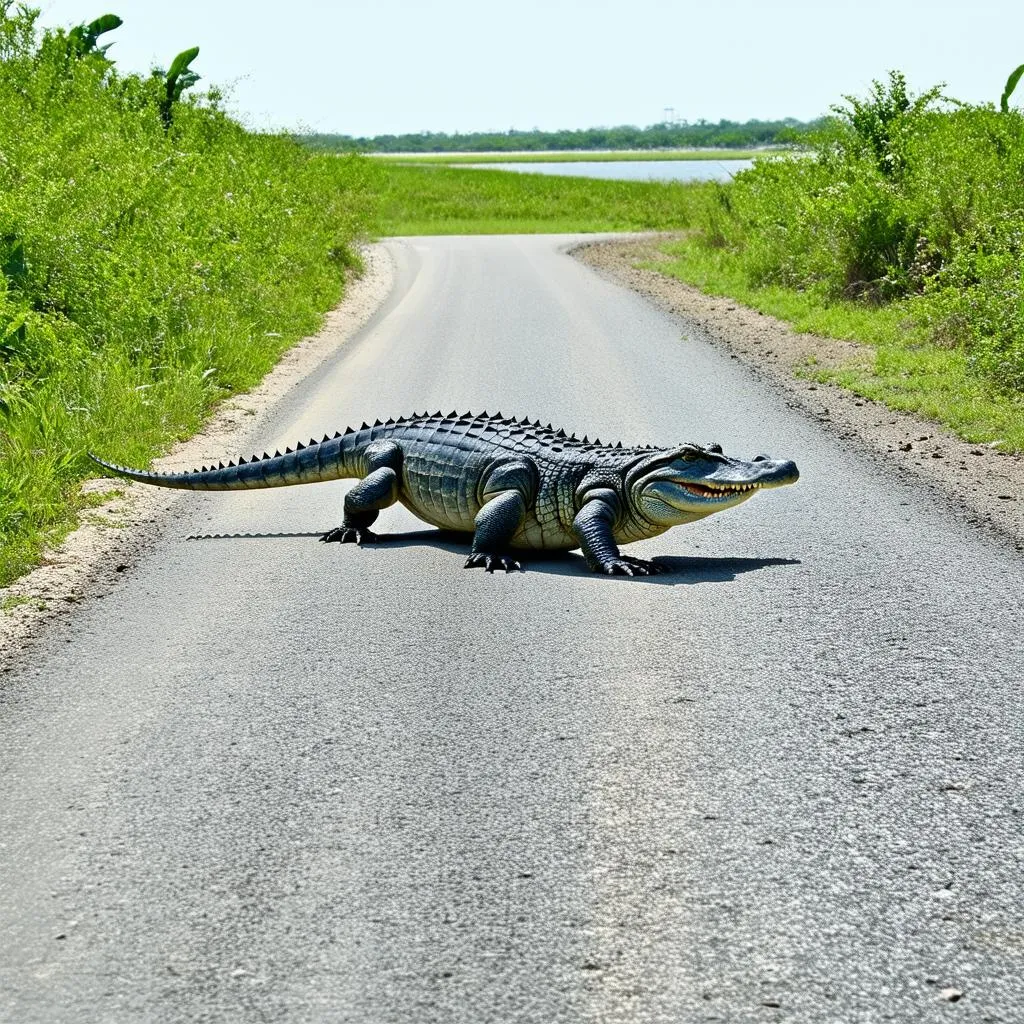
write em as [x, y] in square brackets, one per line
[329, 459]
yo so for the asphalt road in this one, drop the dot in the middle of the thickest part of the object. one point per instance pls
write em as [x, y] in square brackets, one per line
[271, 780]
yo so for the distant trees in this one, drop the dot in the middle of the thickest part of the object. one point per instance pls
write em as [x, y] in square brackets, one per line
[667, 135]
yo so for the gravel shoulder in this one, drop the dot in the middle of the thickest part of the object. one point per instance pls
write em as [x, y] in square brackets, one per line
[984, 486]
[113, 536]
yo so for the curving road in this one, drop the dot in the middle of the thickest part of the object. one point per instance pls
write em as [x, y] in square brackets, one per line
[266, 780]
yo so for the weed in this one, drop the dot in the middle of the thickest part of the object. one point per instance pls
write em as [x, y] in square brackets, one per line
[148, 269]
[900, 202]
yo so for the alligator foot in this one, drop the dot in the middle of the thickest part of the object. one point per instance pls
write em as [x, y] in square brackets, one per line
[625, 565]
[349, 535]
[491, 562]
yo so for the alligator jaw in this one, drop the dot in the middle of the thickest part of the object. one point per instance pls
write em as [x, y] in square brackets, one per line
[720, 492]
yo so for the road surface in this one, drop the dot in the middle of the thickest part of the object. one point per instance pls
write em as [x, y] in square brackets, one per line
[272, 780]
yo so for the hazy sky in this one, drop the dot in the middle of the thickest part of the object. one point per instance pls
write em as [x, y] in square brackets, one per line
[389, 66]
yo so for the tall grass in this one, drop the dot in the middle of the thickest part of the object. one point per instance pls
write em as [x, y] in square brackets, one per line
[908, 200]
[148, 266]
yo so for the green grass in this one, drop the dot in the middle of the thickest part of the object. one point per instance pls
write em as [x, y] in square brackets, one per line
[144, 274]
[570, 156]
[434, 200]
[909, 372]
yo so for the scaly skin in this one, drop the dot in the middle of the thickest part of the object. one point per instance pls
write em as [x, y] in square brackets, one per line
[512, 484]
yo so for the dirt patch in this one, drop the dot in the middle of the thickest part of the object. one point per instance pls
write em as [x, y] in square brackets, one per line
[112, 536]
[985, 486]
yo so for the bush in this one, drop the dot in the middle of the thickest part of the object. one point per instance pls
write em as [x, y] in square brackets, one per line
[148, 267]
[899, 199]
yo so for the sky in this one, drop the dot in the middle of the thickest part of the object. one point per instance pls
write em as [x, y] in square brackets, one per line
[393, 66]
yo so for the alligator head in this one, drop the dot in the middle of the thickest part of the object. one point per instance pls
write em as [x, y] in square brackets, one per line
[690, 482]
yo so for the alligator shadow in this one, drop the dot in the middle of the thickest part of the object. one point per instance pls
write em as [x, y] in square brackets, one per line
[677, 570]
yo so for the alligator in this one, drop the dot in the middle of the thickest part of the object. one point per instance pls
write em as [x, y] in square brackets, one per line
[513, 484]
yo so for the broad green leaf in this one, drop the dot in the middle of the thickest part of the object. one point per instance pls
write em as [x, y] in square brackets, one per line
[181, 62]
[104, 23]
[1011, 84]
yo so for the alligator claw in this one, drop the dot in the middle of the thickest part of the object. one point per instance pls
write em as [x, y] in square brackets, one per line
[625, 565]
[492, 562]
[349, 535]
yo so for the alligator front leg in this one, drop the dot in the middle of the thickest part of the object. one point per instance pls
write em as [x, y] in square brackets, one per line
[377, 490]
[507, 494]
[593, 527]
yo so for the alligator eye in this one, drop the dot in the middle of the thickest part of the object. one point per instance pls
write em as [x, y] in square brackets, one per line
[691, 456]
[715, 447]
[760, 458]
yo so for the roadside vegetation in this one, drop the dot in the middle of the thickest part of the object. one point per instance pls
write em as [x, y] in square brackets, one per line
[667, 135]
[154, 257]
[434, 200]
[904, 228]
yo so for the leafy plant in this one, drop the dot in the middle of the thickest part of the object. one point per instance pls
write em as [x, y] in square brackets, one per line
[900, 202]
[134, 262]
[83, 38]
[1011, 84]
[881, 120]
[175, 81]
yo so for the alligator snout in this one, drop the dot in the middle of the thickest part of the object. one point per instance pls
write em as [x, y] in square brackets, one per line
[783, 471]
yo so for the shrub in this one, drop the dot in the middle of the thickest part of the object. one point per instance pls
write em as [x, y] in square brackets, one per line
[898, 199]
[147, 268]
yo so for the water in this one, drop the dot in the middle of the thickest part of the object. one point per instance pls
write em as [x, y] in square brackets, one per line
[630, 170]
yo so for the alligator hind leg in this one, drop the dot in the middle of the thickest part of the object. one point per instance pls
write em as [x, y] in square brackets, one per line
[496, 524]
[377, 490]
[507, 494]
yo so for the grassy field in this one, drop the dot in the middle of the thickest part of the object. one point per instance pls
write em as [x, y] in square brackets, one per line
[149, 266]
[435, 200]
[580, 156]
